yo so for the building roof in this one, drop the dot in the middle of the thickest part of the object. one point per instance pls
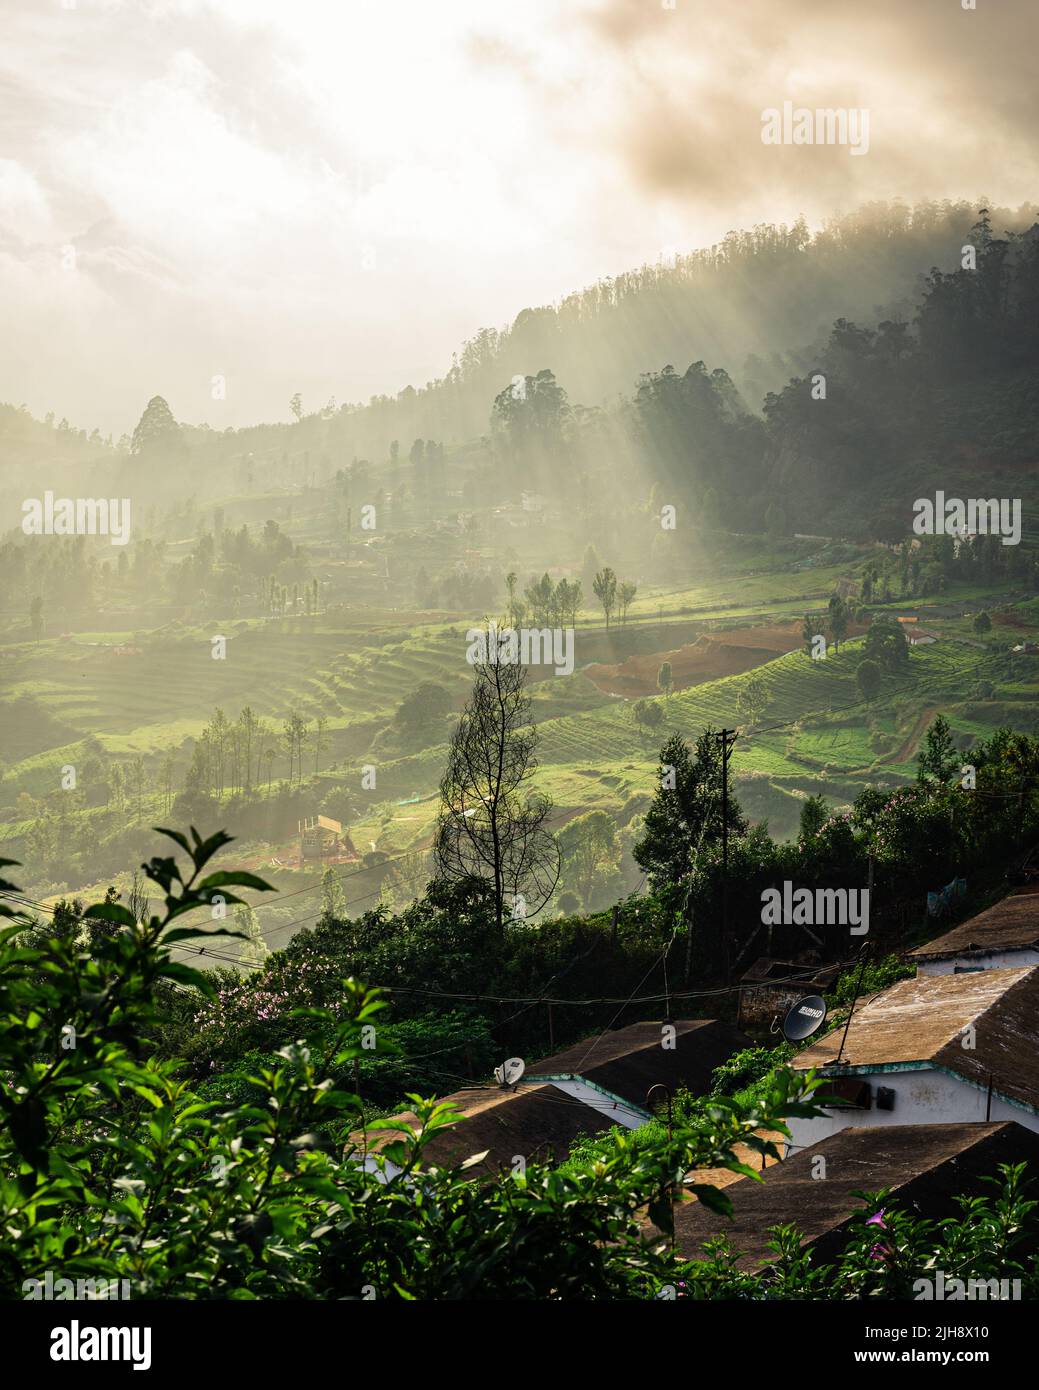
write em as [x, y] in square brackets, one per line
[925, 1166]
[320, 823]
[626, 1062]
[537, 1122]
[923, 1021]
[1009, 925]
[767, 971]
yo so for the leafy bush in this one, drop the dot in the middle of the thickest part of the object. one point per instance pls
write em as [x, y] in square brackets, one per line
[112, 1167]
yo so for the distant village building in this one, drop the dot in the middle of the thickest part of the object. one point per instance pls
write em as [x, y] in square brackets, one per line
[948, 1049]
[321, 837]
[1005, 935]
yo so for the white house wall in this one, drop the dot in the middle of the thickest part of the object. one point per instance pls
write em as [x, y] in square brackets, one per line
[922, 1097]
[611, 1107]
[987, 960]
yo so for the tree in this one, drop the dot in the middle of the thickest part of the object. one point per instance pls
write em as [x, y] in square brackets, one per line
[530, 414]
[604, 587]
[590, 853]
[166, 780]
[333, 899]
[36, 618]
[814, 815]
[938, 760]
[982, 624]
[686, 815]
[253, 951]
[665, 679]
[569, 597]
[489, 827]
[510, 588]
[319, 741]
[626, 597]
[590, 566]
[886, 645]
[838, 612]
[157, 432]
[753, 697]
[647, 714]
[296, 730]
[423, 708]
[296, 406]
[869, 678]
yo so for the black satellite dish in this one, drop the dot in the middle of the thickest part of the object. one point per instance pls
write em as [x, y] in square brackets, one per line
[805, 1018]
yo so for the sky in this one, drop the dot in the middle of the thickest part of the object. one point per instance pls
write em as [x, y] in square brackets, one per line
[229, 201]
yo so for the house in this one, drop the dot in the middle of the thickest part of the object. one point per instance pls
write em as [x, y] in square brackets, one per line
[584, 1090]
[770, 988]
[321, 836]
[920, 636]
[1004, 935]
[925, 1166]
[614, 1072]
[948, 1049]
[533, 1123]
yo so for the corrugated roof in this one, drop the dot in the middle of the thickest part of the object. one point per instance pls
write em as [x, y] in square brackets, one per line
[626, 1062]
[768, 970]
[923, 1020]
[1014, 922]
[926, 1166]
[535, 1122]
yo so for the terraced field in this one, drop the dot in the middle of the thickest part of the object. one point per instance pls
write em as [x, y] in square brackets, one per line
[150, 693]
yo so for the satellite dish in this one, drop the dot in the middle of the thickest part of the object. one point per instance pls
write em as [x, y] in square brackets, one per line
[510, 1072]
[805, 1018]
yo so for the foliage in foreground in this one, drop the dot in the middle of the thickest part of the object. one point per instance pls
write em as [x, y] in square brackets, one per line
[111, 1167]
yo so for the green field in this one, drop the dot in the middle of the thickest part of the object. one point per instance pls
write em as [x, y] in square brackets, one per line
[109, 696]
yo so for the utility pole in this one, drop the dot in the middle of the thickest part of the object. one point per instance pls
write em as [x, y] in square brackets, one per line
[726, 738]
[670, 1133]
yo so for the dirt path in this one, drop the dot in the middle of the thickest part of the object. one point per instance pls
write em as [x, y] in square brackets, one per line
[919, 729]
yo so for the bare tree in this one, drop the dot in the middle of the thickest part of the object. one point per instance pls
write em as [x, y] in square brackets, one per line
[488, 827]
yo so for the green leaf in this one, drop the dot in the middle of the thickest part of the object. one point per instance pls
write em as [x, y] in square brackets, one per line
[234, 878]
[186, 975]
[111, 912]
[713, 1198]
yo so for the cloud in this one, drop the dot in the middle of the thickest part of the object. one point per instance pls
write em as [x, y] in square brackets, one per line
[331, 198]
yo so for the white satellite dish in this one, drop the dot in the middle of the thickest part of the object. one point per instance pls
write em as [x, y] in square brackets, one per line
[510, 1072]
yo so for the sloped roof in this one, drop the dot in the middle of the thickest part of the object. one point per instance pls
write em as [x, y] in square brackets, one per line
[923, 1020]
[1012, 923]
[925, 1166]
[537, 1122]
[768, 970]
[626, 1062]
